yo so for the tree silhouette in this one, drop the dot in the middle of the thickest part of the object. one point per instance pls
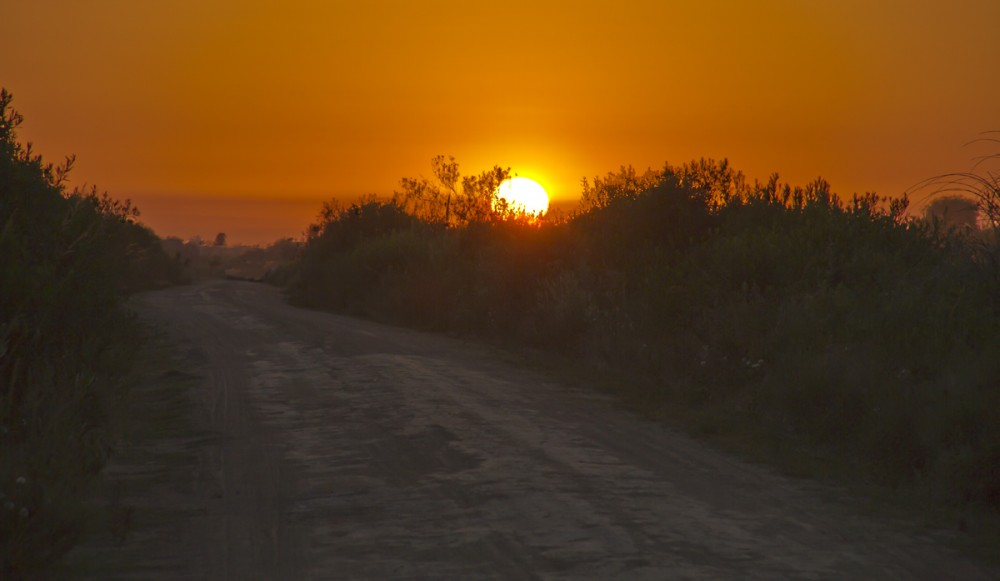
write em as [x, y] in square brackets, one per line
[440, 200]
[954, 212]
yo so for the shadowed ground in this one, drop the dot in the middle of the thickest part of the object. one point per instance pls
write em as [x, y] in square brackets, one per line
[337, 448]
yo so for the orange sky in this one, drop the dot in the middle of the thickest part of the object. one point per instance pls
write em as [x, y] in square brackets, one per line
[243, 116]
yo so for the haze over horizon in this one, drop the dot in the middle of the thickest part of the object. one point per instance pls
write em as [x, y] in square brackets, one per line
[244, 116]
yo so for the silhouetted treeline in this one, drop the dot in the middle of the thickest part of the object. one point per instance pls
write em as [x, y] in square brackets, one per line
[783, 315]
[66, 261]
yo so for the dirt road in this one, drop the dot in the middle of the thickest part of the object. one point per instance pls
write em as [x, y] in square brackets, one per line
[351, 450]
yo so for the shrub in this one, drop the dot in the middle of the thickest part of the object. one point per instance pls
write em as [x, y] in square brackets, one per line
[782, 313]
[65, 343]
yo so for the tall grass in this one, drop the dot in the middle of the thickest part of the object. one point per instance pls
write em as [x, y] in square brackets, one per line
[785, 314]
[68, 258]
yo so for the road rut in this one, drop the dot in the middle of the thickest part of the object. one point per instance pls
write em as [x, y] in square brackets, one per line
[352, 450]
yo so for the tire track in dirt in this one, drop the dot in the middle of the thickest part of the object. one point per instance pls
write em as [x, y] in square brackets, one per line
[353, 450]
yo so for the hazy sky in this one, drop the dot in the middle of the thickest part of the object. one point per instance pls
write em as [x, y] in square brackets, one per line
[242, 116]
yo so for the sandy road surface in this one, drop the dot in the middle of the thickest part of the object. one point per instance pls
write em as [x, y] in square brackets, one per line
[351, 450]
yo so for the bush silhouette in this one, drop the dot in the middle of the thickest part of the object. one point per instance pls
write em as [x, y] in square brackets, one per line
[65, 343]
[786, 314]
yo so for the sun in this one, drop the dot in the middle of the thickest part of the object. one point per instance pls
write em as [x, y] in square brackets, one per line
[524, 195]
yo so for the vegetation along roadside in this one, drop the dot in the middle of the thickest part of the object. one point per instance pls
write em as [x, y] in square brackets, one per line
[839, 337]
[69, 258]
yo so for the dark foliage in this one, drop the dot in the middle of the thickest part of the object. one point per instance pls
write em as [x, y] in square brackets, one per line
[781, 314]
[67, 260]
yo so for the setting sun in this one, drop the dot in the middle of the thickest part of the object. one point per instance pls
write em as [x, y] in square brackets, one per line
[524, 195]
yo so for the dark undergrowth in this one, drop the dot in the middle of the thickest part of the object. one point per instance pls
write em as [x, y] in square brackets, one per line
[67, 259]
[144, 494]
[840, 337]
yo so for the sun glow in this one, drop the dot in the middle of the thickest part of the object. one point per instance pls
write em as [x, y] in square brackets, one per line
[524, 195]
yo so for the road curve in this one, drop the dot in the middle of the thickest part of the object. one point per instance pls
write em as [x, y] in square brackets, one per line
[352, 450]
